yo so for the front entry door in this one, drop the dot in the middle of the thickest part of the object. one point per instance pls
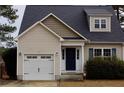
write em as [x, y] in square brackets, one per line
[70, 59]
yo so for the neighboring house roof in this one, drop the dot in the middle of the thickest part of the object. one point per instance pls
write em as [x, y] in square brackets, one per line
[75, 17]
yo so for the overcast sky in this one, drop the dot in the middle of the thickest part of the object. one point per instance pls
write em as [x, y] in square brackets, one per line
[20, 13]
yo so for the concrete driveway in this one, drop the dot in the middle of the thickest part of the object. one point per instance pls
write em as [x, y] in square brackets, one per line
[67, 83]
[16, 83]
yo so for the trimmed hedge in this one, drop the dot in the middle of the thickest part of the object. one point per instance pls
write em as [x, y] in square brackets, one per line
[100, 68]
[10, 59]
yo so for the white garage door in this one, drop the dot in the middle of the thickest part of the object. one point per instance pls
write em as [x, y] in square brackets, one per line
[38, 67]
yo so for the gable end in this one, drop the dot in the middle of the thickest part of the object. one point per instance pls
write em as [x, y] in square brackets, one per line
[60, 27]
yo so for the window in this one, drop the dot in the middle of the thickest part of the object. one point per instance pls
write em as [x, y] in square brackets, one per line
[102, 52]
[107, 52]
[77, 53]
[100, 23]
[48, 57]
[103, 23]
[97, 52]
[97, 23]
[42, 57]
[45, 57]
[63, 54]
[31, 57]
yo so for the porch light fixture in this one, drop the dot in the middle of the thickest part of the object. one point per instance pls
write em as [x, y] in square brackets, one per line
[20, 53]
[57, 53]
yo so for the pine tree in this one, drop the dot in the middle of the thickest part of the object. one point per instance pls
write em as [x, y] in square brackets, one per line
[8, 12]
[119, 9]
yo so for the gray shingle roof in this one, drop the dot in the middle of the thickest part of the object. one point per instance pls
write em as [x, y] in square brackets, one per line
[75, 17]
[98, 12]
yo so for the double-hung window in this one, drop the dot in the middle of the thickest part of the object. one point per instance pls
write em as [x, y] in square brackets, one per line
[102, 52]
[103, 23]
[97, 23]
[107, 52]
[97, 52]
[100, 23]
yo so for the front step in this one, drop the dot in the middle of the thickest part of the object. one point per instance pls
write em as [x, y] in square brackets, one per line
[72, 73]
[72, 76]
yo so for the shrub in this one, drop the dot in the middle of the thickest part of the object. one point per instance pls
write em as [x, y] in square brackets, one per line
[9, 57]
[2, 50]
[101, 68]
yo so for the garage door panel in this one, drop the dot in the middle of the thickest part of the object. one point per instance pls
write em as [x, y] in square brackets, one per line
[38, 67]
[44, 65]
[39, 77]
[30, 67]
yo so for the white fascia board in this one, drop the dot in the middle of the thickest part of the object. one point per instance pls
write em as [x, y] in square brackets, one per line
[24, 32]
[91, 42]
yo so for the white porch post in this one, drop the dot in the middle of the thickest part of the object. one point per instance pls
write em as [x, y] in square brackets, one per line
[82, 48]
[123, 52]
[60, 55]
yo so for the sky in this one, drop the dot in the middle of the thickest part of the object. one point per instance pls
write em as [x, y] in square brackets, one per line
[20, 13]
[18, 21]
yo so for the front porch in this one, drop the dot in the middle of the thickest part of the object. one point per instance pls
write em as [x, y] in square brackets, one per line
[72, 60]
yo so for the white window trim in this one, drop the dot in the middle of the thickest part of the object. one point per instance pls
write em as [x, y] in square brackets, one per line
[100, 23]
[102, 52]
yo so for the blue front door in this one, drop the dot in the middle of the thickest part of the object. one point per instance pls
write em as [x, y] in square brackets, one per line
[70, 59]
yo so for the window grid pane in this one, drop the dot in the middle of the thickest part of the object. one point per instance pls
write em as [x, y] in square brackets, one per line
[77, 53]
[31, 57]
[107, 52]
[103, 23]
[97, 52]
[97, 23]
[63, 52]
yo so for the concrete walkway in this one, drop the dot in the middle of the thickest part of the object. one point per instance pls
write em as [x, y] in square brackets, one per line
[93, 83]
[86, 83]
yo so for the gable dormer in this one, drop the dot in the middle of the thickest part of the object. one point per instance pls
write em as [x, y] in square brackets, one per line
[99, 20]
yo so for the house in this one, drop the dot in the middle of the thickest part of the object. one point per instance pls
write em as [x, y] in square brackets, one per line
[58, 39]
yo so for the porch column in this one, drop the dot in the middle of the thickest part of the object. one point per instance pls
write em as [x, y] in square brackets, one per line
[123, 52]
[82, 48]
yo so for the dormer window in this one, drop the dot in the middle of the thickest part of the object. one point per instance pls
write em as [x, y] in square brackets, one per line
[97, 23]
[100, 23]
[99, 20]
[103, 23]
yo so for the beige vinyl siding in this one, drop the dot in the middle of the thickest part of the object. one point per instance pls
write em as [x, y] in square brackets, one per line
[39, 40]
[59, 28]
[117, 46]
